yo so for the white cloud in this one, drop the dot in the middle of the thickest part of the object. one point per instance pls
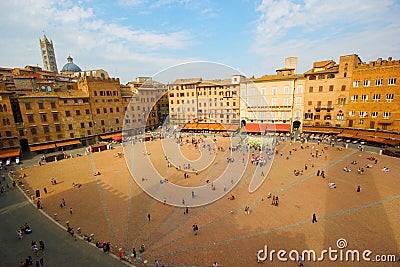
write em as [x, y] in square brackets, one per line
[75, 29]
[209, 13]
[318, 30]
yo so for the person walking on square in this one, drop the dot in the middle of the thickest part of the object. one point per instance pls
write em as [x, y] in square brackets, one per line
[149, 216]
[63, 202]
[70, 211]
[314, 218]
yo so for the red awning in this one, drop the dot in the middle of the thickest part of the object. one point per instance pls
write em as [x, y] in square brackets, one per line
[117, 138]
[9, 153]
[282, 127]
[270, 127]
[255, 127]
[42, 147]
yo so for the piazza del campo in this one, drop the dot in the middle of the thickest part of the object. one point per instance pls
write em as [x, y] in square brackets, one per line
[279, 170]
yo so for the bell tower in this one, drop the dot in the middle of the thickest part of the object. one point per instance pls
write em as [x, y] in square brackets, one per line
[48, 55]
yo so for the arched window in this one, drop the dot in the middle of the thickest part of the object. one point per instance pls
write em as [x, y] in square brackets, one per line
[1, 108]
[4, 107]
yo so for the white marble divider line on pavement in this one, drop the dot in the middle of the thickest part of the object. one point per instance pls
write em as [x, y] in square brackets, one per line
[13, 207]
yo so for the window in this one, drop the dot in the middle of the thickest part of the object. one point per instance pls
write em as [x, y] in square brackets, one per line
[28, 106]
[376, 97]
[69, 126]
[53, 104]
[331, 76]
[41, 105]
[71, 135]
[117, 109]
[392, 81]
[55, 116]
[274, 90]
[286, 101]
[354, 98]
[320, 88]
[310, 89]
[104, 110]
[90, 124]
[33, 131]
[286, 90]
[389, 97]
[30, 118]
[378, 82]
[312, 77]
[317, 117]
[352, 113]
[65, 101]
[309, 103]
[364, 98]
[342, 101]
[117, 120]
[78, 112]
[356, 84]
[87, 111]
[273, 102]
[362, 114]
[95, 93]
[340, 116]
[67, 113]
[374, 114]
[43, 117]
[102, 122]
[343, 87]
[367, 83]
[361, 121]
[58, 128]
[111, 110]
[8, 133]
[97, 110]
[386, 115]
[330, 88]
[329, 104]
[321, 77]
[82, 125]
[46, 129]
[298, 100]
[299, 89]
[76, 101]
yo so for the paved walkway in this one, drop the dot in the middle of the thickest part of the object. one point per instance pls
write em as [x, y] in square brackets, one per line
[61, 248]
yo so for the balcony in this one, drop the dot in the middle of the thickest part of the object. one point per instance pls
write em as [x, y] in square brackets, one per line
[320, 107]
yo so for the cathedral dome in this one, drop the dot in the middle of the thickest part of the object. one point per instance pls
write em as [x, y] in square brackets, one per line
[71, 66]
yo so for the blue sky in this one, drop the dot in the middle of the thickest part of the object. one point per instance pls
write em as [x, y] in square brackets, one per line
[131, 38]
